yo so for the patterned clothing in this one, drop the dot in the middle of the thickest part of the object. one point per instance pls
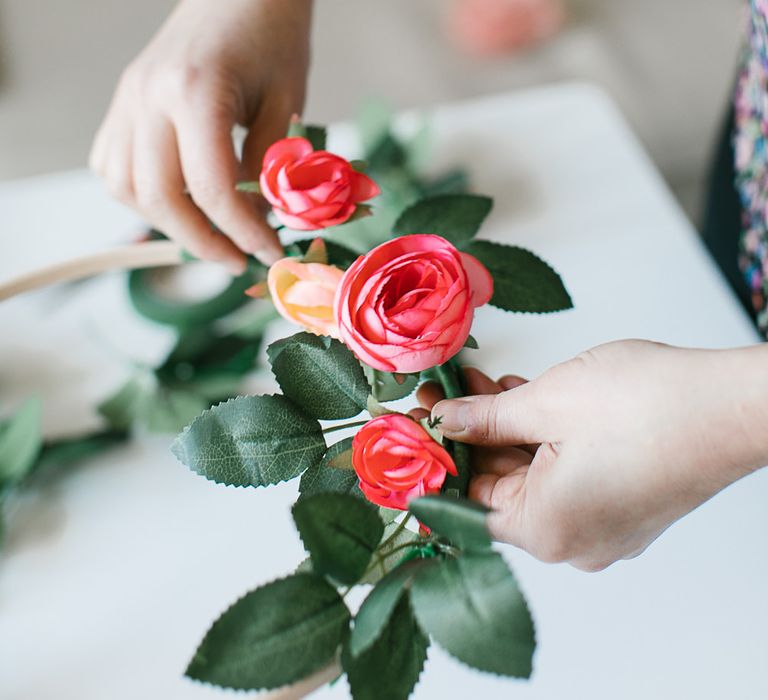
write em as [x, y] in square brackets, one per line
[751, 156]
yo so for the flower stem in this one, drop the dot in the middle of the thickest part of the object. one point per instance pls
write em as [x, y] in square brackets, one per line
[451, 377]
[400, 527]
[333, 428]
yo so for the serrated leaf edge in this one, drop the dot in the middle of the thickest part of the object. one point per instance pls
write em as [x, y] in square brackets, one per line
[320, 666]
[175, 445]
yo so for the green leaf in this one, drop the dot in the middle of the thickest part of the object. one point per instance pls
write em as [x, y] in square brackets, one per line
[20, 442]
[316, 135]
[374, 119]
[388, 154]
[387, 386]
[391, 667]
[320, 374]
[455, 217]
[169, 410]
[472, 607]
[376, 610]
[392, 554]
[338, 255]
[362, 211]
[452, 182]
[471, 343]
[273, 636]
[296, 128]
[121, 409]
[340, 532]
[521, 281]
[66, 451]
[202, 355]
[324, 478]
[462, 522]
[251, 441]
[258, 318]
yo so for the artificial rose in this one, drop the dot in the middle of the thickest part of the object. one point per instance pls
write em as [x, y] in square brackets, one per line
[303, 293]
[396, 461]
[408, 304]
[311, 190]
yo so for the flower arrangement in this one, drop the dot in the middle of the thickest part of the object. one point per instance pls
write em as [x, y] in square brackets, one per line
[384, 506]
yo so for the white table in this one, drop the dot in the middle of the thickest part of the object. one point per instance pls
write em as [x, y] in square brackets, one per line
[112, 575]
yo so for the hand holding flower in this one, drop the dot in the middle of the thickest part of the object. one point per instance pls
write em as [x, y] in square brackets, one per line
[590, 462]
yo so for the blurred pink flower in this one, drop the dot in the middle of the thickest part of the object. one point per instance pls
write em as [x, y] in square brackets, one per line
[495, 27]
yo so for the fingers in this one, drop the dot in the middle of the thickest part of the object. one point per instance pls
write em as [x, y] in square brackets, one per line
[111, 157]
[504, 496]
[158, 187]
[511, 381]
[430, 393]
[510, 418]
[210, 170]
[480, 383]
[500, 461]
[271, 125]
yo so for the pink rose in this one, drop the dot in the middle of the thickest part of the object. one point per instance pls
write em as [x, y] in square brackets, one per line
[303, 293]
[408, 304]
[311, 190]
[396, 461]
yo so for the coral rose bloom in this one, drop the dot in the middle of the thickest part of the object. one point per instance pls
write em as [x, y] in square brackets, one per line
[303, 293]
[408, 304]
[396, 461]
[311, 190]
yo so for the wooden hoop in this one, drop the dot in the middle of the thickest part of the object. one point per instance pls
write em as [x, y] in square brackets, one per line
[130, 257]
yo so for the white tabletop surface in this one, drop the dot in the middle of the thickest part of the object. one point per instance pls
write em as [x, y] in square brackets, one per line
[112, 574]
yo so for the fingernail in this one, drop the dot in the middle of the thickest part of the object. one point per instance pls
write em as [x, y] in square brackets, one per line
[451, 416]
[269, 256]
[237, 268]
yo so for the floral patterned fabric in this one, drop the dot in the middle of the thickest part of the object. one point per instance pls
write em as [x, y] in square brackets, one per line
[751, 152]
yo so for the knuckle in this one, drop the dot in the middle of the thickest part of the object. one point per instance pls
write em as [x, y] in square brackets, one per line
[133, 78]
[484, 418]
[178, 81]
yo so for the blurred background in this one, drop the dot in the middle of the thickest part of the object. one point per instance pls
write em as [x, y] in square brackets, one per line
[668, 63]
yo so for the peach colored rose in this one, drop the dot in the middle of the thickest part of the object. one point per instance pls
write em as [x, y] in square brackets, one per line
[493, 27]
[303, 293]
[408, 304]
[311, 190]
[396, 461]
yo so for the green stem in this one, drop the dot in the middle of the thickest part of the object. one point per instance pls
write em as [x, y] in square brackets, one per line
[380, 560]
[343, 426]
[400, 527]
[451, 377]
[448, 376]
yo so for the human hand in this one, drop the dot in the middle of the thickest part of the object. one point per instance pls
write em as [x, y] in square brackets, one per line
[593, 460]
[169, 127]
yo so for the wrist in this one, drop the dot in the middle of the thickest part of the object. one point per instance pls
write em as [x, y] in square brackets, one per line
[740, 383]
[752, 366]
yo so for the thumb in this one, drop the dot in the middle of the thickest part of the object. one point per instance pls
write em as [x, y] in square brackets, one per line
[509, 418]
